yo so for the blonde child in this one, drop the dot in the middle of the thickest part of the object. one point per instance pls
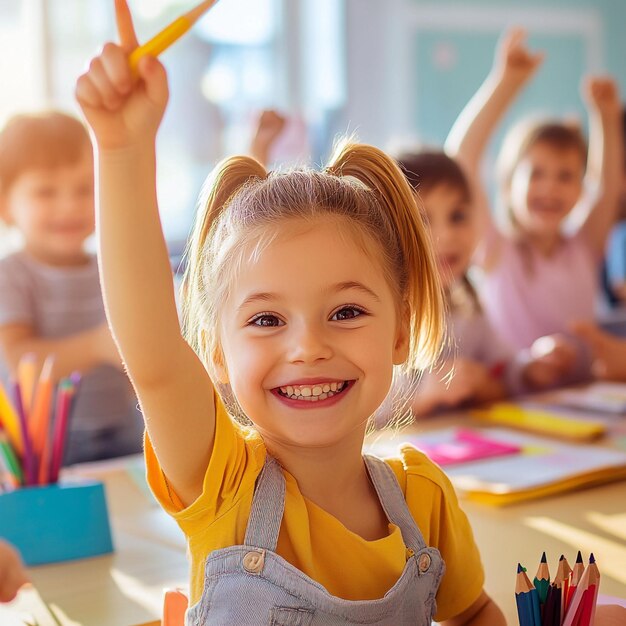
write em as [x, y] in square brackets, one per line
[538, 277]
[51, 302]
[476, 365]
[304, 290]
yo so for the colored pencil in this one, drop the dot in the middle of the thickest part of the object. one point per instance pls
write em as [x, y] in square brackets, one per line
[11, 461]
[10, 421]
[562, 577]
[575, 576]
[29, 460]
[171, 33]
[65, 396]
[40, 416]
[542, 579]
[551, 615]
[527, 599]
[26, 376]
[581, 611]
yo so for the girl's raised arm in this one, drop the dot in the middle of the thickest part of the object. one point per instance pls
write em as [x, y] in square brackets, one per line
[467, 141]
[174, 389]
[605, 161]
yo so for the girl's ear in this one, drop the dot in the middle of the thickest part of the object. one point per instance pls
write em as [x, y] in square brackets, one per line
[402, 339]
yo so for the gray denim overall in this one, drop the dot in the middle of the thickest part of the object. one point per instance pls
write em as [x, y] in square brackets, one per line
[251, 585]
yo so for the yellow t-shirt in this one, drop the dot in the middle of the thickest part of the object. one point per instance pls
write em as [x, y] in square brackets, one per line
[313, 540]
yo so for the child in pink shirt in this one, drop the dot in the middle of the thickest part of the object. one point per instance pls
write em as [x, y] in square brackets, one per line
[537, 276]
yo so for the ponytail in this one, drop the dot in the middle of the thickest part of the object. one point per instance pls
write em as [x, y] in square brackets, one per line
[421, 290]
[224, 182]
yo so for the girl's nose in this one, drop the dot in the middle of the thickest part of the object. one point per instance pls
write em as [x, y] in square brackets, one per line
[309, 343]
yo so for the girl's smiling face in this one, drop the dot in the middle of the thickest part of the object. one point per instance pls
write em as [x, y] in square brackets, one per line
[545, 186]
[309, 333]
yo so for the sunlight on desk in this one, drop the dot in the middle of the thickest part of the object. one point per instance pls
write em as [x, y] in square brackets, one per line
[144, 595]
[613, 524]
[610, 555]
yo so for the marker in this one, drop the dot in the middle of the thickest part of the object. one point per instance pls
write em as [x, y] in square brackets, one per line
[163, 40]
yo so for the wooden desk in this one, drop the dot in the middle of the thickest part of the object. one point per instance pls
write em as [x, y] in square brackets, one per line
[126, 587]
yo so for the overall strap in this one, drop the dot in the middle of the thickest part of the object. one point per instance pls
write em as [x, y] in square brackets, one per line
[268, 504]
[393, 502]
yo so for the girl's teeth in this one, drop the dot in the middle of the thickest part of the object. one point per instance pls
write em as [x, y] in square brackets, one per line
[312, 394]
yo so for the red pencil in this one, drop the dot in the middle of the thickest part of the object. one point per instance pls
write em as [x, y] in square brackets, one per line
[575, 576]
[64, 401]
[582, 609]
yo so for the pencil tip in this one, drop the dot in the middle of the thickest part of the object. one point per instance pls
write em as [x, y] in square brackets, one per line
[579, 557]
[543, 558]
[592, 559]
[562, 557]
[519, 568]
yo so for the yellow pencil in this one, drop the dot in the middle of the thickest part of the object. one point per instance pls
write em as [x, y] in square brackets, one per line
[163, 40]
[10, 421]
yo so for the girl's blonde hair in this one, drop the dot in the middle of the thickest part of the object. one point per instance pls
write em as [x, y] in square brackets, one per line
[518, 142]
[243, 204]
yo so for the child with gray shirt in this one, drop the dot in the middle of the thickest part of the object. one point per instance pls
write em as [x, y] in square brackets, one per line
[50, 298]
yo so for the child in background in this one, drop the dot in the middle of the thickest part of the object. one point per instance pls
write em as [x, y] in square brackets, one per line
[304, 289]
[51, 302]
[476, 365]
[12, 572]
[537, 278]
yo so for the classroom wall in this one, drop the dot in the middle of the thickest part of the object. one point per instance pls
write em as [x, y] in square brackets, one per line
[429, 57]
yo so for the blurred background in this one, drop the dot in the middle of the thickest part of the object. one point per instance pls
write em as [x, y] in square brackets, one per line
[395, 72]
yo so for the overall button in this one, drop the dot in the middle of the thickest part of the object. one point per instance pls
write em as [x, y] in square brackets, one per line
[253, 561]
[423, 562]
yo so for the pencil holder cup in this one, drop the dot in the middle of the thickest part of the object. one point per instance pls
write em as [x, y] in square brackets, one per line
[57, 522]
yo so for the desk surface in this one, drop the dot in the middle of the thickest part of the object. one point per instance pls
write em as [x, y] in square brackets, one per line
[127, 587]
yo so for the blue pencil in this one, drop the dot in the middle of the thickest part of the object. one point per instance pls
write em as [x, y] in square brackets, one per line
[527, 600]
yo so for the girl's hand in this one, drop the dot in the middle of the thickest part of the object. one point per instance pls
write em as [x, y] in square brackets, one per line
[468, 378]
[12, 572]
[553, 358]
[269, 126]
[602, 95]
[122, 109]
[513, 58]
[609, 352]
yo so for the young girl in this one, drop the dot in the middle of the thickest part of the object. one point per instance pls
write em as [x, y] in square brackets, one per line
[303, 290]
[537, 278]
[476, 365]
[50, 296]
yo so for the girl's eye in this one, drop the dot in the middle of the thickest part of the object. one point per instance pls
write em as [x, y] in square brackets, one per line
[347, 313]
[266, 320]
